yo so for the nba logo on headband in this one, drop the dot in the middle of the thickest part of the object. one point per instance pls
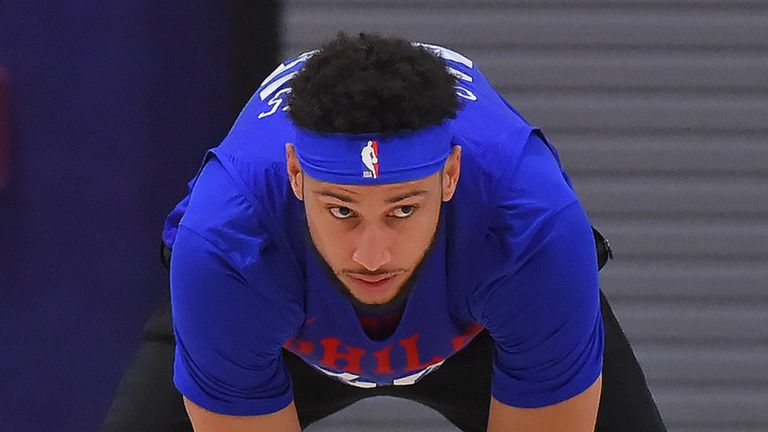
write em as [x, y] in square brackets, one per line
[370, 157]
[347, 158]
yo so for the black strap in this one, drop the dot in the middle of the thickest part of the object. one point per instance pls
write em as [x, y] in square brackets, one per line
[165, 255]
[604, 252]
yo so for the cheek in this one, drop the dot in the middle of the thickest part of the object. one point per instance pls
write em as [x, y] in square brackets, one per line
[416, 237]
[327, 237]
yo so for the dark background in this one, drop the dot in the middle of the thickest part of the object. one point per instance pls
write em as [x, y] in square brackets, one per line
[111, 106]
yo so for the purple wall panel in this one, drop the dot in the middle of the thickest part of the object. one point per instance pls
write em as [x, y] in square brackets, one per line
[111, 107]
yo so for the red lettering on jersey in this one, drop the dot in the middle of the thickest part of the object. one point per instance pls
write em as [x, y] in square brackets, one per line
[463, 339]
[412, 362]
[382, 361]
[299, 346]
[331, 354]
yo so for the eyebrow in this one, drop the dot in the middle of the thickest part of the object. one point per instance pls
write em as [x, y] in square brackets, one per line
[339, 197]
[406, 195]
[348, 199]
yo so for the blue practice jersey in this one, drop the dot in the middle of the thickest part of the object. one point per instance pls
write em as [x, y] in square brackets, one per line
[514, 254]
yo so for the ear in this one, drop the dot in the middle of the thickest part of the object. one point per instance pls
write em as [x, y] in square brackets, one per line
[294, 171]
[451, 173]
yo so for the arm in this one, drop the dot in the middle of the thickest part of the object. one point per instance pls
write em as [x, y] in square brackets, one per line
[230, 321]
[577, 414]
[543, 310]
[203, 420]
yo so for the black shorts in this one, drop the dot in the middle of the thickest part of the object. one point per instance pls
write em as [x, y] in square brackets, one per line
[459, 390]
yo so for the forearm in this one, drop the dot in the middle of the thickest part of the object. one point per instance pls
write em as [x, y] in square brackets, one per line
[285, 420]
[577, 414]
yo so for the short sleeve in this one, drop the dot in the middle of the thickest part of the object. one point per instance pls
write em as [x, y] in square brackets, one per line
[543, 307]
[229, 329]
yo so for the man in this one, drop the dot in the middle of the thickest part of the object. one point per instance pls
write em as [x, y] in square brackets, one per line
[379, 221]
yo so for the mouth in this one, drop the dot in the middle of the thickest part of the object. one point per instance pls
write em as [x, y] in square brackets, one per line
[373, 282]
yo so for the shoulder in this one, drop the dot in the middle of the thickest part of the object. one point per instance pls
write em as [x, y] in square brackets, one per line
[509, 186]
[245, 236]
[490, 131]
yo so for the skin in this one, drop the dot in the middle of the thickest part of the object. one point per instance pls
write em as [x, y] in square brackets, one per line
[285, 420]
[373, 238]
[577, 414]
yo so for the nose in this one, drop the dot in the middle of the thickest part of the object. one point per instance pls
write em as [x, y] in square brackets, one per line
[372, 248]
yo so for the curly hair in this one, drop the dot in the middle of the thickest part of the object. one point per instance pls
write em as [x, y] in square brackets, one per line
[370, 83]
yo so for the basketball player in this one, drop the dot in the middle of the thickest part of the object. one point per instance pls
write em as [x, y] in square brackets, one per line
[380, 221]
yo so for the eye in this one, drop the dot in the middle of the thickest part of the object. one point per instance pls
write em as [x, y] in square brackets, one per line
[404, 211]
[341, 212]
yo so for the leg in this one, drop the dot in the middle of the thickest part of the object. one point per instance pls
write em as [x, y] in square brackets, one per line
[147, 399]
[317, 396]
[460, 389]
[626, 403]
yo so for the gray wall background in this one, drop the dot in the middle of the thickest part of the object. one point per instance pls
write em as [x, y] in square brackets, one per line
[660, 112]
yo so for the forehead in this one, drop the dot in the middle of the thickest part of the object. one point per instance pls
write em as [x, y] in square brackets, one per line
[423, 186]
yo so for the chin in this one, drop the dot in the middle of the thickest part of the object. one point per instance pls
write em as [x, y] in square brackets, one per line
[374, 300]
[368, 299]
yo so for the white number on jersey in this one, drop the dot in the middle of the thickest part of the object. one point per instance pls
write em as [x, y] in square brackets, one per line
[271, 85]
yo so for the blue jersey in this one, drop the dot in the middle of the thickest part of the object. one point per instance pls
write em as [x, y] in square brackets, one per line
[513, 254]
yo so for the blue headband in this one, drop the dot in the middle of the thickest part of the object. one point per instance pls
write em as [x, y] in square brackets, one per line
[373, 158]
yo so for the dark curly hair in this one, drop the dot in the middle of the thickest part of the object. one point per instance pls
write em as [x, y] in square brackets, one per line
[371, 83]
